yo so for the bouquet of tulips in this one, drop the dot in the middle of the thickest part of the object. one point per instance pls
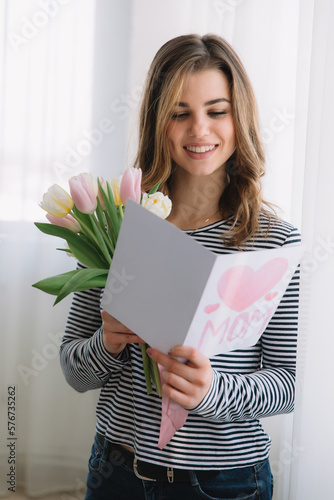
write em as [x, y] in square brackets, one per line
[89, 220]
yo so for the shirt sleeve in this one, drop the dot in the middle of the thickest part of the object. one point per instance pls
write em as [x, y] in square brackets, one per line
[270, 390]
[85, 362]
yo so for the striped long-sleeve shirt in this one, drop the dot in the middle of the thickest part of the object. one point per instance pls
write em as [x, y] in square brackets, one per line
[224, 430]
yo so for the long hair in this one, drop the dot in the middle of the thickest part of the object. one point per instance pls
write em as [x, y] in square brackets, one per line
[181, 56]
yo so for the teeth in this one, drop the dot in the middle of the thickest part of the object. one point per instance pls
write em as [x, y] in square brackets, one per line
[202, 149]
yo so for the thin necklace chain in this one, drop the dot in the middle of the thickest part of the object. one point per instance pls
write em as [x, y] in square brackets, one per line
[194, 231]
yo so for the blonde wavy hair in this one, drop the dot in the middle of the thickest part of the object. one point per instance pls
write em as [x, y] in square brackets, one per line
[179, 57]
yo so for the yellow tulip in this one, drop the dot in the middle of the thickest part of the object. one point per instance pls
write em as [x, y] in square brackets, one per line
[115, 183]
[56, 201]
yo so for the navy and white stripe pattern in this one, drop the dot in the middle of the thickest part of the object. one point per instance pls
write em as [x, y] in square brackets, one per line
[224, 430]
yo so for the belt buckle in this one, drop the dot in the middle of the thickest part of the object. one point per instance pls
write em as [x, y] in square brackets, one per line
[135, 470]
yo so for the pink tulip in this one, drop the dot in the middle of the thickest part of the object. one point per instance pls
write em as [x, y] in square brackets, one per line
[130, 188]
[83, 188]
[67, 221]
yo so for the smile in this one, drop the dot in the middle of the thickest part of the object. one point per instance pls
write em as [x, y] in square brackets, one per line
[200, 149]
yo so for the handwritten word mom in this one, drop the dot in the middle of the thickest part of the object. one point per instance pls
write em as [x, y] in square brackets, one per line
[244, 325]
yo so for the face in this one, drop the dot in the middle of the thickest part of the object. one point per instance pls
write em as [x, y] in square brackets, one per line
[201, 136]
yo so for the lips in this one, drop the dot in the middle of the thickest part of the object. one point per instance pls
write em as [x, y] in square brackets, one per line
[199, 151]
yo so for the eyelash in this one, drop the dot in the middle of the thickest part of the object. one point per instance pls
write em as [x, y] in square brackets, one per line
[182, 116]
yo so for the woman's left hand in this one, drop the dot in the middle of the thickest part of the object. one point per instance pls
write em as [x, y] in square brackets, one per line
[186, 384]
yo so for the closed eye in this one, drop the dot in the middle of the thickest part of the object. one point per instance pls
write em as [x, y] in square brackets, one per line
[217, 113]
[183, 115]
[179, 116]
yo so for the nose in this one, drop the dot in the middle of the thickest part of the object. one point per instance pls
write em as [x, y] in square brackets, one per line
[199, 127]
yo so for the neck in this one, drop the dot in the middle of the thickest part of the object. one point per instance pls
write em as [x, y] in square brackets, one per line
[195, 200]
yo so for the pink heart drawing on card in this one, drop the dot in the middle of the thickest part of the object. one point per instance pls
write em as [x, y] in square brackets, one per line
[241, 286]
[210, 308]
[271, 296]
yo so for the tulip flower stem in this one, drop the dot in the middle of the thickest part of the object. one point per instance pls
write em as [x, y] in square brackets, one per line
[104, 225]
[121, 212]
[111, 230]
[85, 228]
[104, 236]
[155, 376]
[92, 236]
[146, 366]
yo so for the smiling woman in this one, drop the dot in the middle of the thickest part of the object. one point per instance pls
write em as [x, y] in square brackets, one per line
[200, 96]
[198, 131]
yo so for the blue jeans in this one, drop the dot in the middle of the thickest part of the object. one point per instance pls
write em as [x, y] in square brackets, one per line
[109, 479]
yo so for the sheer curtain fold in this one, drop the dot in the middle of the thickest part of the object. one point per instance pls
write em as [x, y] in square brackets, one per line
[313, 429]
[45, 99]
[85, 63]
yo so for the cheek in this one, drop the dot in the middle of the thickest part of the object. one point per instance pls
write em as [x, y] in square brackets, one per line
[175, 132]
[229, 126]
[170, 145]
[232, 130]
[172, 138]
[229, 133]
[172, 150]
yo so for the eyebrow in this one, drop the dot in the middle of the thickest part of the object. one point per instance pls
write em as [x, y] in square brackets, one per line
[209, 103]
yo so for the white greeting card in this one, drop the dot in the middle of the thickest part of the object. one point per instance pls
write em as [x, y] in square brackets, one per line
[171, 290]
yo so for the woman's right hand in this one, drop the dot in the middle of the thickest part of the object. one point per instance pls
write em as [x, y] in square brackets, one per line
[116, 335]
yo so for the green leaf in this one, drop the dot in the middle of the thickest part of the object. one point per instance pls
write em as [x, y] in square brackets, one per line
[112, 216]
[112, 211]
[100, 215]
[55, 284]
[53, 230]
[66, 250]
[81, 247]
[82, 280]
[155, 188]
[100, 235]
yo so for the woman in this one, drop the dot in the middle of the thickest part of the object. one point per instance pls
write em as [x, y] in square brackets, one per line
[198, 133]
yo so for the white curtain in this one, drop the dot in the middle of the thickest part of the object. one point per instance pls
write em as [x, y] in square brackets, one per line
[70, 83]
[46, 100]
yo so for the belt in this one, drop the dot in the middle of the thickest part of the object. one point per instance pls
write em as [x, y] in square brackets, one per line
[148, 472]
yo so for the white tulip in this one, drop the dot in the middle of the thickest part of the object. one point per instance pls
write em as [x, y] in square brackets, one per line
[157, 203]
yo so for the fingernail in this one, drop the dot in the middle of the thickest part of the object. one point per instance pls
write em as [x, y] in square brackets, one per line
[170, 353]
[149, 351]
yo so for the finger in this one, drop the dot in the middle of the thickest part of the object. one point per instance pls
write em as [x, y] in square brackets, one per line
[178, 397]
[177, 382]
[171, 364]
[194, 356]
